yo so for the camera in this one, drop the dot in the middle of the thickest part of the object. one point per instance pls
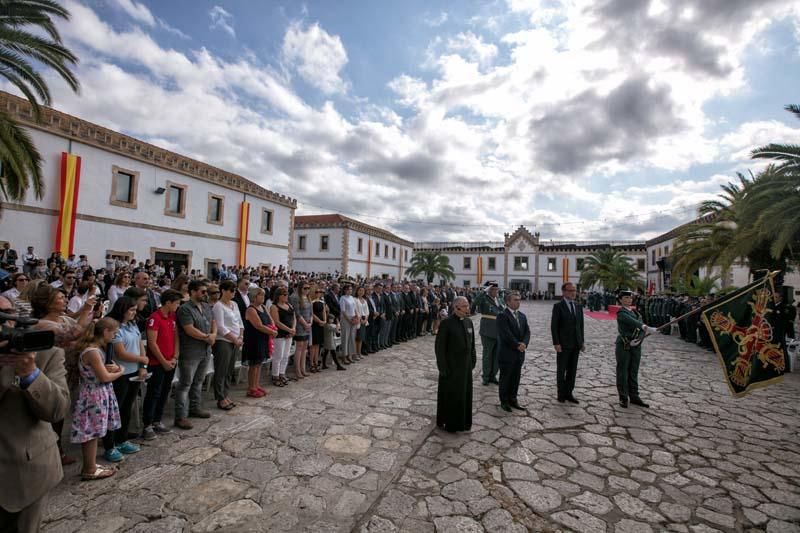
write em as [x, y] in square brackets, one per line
[23, 339]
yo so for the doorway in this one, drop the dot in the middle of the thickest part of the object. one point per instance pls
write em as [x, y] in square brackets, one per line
[176, 259]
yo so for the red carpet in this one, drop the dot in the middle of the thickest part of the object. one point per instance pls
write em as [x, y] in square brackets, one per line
[600, 315]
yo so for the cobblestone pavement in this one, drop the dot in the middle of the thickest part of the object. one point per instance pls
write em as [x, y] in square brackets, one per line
[358, 451]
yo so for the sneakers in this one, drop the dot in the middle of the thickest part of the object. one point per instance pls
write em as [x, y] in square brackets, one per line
[149, 433]
[160, 428]
[113, 455]
[128, 447]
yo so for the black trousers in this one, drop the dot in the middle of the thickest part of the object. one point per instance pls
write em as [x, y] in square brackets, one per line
[126, 391]
[373, 331]
[566, 369]
[158, 387]
[510, 374]
[393, 329]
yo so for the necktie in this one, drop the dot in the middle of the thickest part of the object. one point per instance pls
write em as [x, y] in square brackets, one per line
[516, 318]
[571, 307]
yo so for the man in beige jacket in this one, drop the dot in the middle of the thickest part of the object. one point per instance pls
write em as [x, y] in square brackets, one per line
[33, 393]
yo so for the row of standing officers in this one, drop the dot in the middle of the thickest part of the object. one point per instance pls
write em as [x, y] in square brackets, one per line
[505, 335]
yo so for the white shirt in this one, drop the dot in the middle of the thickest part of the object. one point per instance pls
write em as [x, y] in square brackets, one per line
[113, 293]
[362, 306]
[347, 304]
[228, 320]
[77, 301]
[245, 298]
[11, 294]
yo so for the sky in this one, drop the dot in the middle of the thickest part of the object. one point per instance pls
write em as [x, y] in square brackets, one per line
[439, 121]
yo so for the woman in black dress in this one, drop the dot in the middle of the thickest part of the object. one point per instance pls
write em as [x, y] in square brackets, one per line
[319, 317]
[258, 328]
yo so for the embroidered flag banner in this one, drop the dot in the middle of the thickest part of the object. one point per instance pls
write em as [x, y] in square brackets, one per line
[741, 331]
[244, 228]
[68, 203]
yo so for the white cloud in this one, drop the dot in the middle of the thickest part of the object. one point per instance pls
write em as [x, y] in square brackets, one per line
[553, 128]
[474, 47]
[316, 55]
[137, 11]
[221, 19]
[434, 21]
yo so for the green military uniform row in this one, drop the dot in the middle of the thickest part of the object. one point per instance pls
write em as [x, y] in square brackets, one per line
[488, 305]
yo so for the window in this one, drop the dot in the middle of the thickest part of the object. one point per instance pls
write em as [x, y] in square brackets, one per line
[491, 263]
[405, 255]
[466, 283]
[521, 262]
[216, 209]
[176, 200]
[124, 184]
[640, 263]
[467, 263]
[360, 245]
[301, 242]
[666, 251]
[551, 264]
[394, 252]
[579, 261]
[266, 220]
[323, 243]
[653, 260]
[385, 250]
[551, 288]
[377, 249]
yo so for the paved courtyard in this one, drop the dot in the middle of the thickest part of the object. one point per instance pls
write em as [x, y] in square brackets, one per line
[359, 451]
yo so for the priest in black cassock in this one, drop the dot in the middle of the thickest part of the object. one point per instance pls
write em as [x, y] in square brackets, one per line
[455, 358]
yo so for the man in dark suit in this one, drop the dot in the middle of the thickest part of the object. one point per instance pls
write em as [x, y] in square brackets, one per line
[566, 327]
[513, 336]
[384, 339]
[332, 301]
[455, 359]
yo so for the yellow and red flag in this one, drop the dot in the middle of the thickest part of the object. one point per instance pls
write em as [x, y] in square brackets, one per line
[479, 271]
[68, 203]
[244, 228]
[565, 270]
[369, 258]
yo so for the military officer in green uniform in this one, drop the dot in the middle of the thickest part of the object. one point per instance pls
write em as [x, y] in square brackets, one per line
[489, 305]
[629, 327]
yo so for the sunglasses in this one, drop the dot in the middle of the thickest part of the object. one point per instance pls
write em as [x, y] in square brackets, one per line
[23, 279]
[213, 293]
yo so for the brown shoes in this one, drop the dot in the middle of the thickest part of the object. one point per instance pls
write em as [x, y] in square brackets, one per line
[183, 423]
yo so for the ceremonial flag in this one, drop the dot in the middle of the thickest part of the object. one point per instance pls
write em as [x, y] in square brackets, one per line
[565, 270]
[68, 203]
[740, 328]
[244, 229]
[479, 271]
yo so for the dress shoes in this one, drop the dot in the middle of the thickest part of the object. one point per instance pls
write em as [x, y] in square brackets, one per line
[572, 399]
[494, 382]
[183, 423]
[517, 406]
[623, 402]
[561, 400]
[639, 402]
[505, 407]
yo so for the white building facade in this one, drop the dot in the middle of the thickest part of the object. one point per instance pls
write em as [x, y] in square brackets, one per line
[138, 201]
[522, 262]
[336, 244]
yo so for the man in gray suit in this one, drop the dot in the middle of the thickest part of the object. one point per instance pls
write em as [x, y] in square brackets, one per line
[33, 393]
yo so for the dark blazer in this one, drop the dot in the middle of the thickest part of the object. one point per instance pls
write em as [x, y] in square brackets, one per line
[566, 328]
[332, 301]
[509, 336]
[237, 297]
[388, 305]
[30, 464]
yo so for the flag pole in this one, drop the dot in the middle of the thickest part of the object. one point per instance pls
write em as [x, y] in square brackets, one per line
[769, 276]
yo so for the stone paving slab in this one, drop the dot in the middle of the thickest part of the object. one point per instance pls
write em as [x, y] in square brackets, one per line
[358, 451]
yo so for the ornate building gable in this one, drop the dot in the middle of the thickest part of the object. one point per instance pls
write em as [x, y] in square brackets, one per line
[522, 240]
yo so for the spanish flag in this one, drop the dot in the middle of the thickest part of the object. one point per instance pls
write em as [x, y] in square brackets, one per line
[479, 271]
[68, 203]
[244, 228]
[565, 270]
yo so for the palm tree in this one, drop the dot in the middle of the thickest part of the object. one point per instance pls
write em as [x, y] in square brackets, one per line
[708, 241]
[611, 269]
[431, 264]
[696, 286]
[28, 35]
[772, 209]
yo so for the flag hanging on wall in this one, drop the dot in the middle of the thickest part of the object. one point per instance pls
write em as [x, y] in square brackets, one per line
[244, 228]
[740, 327]
[68, 203]
[479, 271]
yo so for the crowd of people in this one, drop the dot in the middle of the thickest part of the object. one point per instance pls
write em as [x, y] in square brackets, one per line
[132, 323]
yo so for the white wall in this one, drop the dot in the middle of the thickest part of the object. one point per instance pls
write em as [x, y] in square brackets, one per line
[95, 238]
[313, 259]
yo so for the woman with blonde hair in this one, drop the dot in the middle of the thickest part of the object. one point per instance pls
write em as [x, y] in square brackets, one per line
[302, 312]
[258, 329]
